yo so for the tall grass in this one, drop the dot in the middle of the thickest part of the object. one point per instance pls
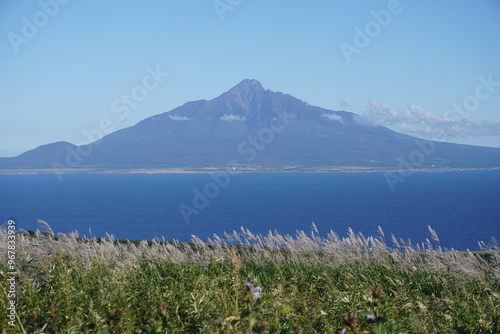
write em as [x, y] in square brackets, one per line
[310, 284]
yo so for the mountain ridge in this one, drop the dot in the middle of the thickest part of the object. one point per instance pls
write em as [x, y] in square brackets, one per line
[257, 128]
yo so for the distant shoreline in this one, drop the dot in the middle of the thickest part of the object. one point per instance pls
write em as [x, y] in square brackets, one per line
[245, 170]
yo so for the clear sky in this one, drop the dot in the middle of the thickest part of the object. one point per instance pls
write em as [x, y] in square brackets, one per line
[65, 65]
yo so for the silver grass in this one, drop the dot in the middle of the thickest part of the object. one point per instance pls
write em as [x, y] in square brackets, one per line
[272, 247]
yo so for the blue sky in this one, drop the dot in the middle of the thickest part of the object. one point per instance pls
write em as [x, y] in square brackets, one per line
[61, 78]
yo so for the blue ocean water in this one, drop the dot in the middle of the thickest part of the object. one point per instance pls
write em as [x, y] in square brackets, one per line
[462, 207]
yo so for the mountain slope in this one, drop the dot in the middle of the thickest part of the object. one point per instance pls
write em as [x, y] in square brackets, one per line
[254, 127]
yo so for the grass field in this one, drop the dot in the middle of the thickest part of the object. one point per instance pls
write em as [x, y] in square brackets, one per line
[245, 283]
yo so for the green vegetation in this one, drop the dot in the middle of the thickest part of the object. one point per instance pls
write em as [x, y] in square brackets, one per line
[245, 283]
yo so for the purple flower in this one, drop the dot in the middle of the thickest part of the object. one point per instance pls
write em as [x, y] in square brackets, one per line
[343, 331]
[255, 289]
[370, 317]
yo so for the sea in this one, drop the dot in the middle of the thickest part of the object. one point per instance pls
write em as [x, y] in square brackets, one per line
[463, 207]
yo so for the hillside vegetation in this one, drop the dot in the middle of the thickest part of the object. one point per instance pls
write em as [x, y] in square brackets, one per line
[245, 283]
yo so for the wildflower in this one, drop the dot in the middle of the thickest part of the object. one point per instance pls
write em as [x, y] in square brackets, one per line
[255, 290]
[370, 317]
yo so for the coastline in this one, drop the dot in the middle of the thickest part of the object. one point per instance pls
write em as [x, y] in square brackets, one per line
[239, 170]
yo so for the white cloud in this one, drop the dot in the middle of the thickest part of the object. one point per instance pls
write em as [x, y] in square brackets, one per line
[178, 118]
[230, 118]
[334, 117]
[416, 121]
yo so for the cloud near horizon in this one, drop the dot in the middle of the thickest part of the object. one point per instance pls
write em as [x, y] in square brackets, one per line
[334, 117]
[416, 121]
[178, 118]
[230, 118]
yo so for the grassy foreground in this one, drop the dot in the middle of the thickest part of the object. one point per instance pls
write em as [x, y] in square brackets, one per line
[245, 283]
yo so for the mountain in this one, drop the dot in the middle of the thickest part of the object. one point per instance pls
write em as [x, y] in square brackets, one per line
[254, 128]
